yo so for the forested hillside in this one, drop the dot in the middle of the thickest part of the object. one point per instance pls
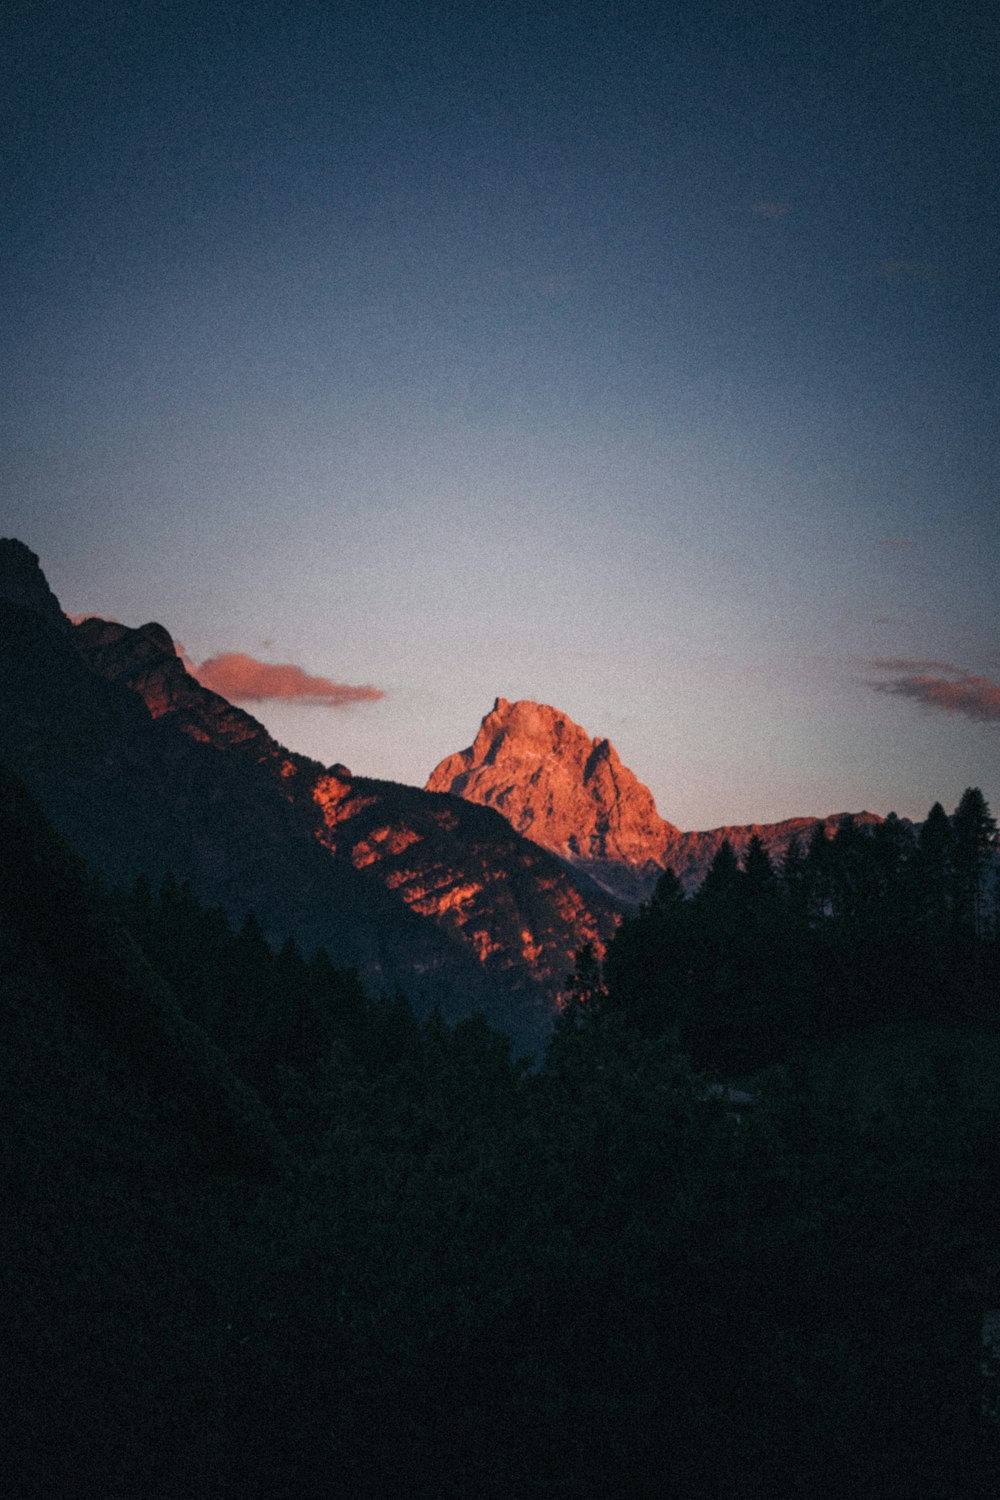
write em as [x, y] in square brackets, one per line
[267, 1237]
[877, 925]
[144, 771]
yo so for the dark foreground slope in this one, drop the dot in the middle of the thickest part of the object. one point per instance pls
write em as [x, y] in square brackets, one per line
[131, 1156]
[413, 1269]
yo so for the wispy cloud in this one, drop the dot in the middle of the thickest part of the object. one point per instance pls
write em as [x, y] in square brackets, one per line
[244, 679]
[909, 664]
[940, 685]
[767, 208]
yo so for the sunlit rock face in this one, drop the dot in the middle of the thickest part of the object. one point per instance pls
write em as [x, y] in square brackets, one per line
[565, 791]
[517, 909]
[572, 795]
[143, 770]
[445, 863]
[499, 897]
[146, 660]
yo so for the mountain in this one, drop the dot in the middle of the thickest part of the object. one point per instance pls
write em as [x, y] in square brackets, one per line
[565, 791]
[572, 795]
[146, 661]
[143, 771]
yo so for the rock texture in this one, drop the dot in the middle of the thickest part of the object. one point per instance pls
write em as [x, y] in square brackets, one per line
[572, 795]
[565, 791]
[146, 661]
[142, 770]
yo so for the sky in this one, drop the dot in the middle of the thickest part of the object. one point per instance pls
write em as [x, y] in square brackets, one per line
[642, 360]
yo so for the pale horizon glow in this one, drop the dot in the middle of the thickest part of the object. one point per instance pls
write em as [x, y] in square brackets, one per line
[641, 361]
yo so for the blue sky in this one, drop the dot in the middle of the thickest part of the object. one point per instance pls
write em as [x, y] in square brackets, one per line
[640, 360]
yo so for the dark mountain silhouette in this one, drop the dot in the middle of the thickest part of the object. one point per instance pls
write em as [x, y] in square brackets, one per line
[144, 771]
[79, 992]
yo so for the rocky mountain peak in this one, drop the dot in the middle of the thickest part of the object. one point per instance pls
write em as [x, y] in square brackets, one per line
[23, 583]
[572, 795]
[563, 789]
[143, 770]
[146, 660]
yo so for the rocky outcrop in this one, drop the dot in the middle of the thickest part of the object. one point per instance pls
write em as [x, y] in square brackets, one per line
[143, 770]
[572, 795]
[565, 791]
[505, 898]
[146, 661]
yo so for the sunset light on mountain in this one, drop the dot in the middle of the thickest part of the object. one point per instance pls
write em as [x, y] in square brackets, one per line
[638, 360]
[500, 750]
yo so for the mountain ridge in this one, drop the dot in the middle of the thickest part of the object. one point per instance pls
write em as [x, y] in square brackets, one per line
[571, 793]
[144, 771]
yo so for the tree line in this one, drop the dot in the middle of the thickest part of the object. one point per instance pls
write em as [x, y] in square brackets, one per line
[460, 1274]
[877, 924]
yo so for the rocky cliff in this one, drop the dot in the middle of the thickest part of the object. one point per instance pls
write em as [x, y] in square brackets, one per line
[572, 795]
[565, 791]
[147, 662]
[143, 770]
[24, 584]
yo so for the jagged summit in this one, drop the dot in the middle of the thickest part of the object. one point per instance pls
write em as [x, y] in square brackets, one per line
[564, 790]
[144, 770]
[146, 660]
[572, 795]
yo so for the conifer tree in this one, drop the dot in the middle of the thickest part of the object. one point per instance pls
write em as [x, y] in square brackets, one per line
[933, 872]
[759, 882]
[974, 833]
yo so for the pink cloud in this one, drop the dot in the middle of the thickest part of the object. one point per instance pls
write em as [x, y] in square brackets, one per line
[950, 689]
[243, 679]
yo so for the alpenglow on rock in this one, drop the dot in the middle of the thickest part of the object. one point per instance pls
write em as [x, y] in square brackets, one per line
[144, 771]
[565, 791]
[571, 794]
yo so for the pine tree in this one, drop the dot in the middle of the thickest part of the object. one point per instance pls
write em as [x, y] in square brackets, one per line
[585, 992]
[760, 881]
[647, 962]
[974, 833]
[933, 872]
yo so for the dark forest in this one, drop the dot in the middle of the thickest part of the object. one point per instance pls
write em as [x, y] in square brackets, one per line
[268, 1236]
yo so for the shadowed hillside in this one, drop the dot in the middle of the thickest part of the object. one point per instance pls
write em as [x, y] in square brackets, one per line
[263, 1237]
[146, 772]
